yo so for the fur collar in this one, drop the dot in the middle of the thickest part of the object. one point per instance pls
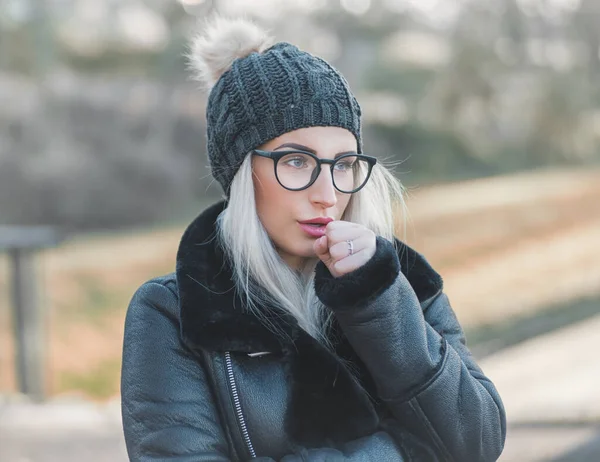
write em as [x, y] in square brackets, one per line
[212, 314]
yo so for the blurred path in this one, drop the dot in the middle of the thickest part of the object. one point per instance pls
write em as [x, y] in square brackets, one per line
[551, 378]
[552, 443]
[67, 431]
[550, 386]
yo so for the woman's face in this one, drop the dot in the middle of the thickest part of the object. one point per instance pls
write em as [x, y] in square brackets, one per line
[281, 210]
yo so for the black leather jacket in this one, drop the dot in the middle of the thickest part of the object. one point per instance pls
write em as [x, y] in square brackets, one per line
[204, 380]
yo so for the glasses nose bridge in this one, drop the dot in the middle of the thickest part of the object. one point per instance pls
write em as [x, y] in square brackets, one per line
[329, 162]
[327, 166]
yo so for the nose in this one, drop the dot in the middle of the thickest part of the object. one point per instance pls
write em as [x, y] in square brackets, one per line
[322, 191]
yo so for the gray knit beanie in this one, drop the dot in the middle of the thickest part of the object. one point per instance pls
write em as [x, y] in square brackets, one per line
[259, 92]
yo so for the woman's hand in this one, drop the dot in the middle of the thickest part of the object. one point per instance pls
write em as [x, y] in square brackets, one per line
[345, 247]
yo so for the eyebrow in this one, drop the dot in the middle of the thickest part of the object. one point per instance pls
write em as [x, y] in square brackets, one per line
[306, 148]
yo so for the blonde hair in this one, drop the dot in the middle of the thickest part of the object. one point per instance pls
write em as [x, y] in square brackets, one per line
[259, 273]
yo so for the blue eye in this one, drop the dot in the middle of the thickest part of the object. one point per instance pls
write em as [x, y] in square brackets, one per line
[344, 166]
[296, 162]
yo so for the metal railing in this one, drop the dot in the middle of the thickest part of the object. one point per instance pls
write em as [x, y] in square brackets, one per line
[29, 315]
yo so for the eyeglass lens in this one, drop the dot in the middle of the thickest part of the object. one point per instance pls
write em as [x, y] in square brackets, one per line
[297, 170]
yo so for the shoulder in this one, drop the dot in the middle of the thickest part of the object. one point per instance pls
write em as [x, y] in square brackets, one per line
[159, 294]
[168, 281]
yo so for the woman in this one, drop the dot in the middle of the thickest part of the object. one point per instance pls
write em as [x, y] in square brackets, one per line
[296, 327]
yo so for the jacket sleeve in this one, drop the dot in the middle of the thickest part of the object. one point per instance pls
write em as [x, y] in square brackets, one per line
[166, 403]
[168, 410]
[418, 358]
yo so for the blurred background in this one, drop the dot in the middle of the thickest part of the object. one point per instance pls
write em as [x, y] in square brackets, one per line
[489, 110]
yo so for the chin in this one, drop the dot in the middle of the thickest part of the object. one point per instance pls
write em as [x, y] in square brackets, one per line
[304, 250]
[295, 244]
[309, 253]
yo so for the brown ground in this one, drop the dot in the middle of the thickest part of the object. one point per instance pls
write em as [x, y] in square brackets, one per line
[505, 246]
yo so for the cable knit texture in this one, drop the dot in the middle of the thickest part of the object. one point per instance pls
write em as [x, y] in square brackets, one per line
[264, 95]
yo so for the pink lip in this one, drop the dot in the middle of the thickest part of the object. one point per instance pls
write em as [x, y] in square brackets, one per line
[313, 231]
[318, 220]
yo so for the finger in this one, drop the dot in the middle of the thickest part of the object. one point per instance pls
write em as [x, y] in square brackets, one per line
[342, 224]
[341, 249]
[321, 248]
[347, 231]
[352, 262]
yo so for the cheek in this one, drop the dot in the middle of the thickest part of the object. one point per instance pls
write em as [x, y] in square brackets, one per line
[342, 204]
[276, 209]
[343, 201]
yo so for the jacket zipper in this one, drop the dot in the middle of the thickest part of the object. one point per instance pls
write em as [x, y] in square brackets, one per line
[238, 406]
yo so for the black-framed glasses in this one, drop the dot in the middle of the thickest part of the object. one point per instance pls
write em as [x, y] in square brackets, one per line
[297, 170]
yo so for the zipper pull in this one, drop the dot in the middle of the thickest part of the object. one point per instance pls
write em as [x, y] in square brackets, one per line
[259, 354]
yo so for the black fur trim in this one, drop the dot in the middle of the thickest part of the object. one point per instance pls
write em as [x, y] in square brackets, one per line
[364, 283]
[326, 398]
[212, 314]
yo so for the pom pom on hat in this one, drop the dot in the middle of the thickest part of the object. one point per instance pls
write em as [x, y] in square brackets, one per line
[223, 40]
